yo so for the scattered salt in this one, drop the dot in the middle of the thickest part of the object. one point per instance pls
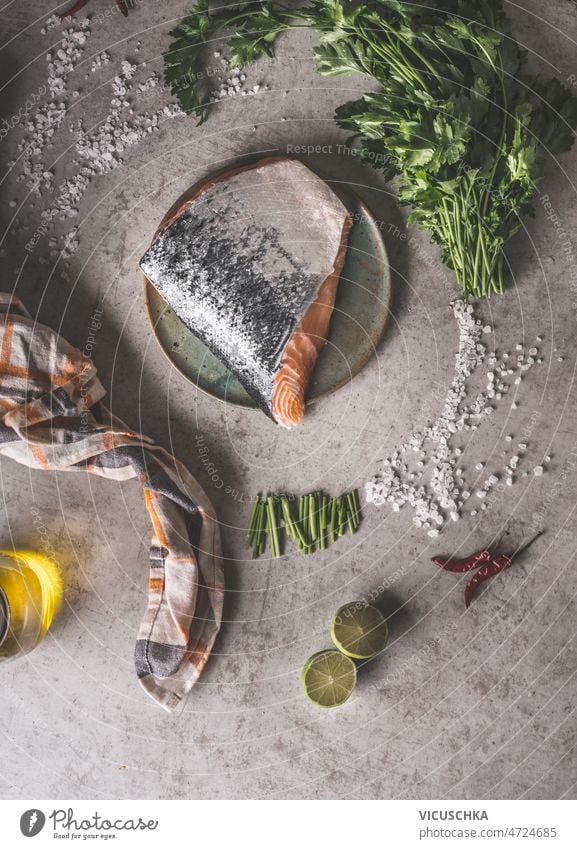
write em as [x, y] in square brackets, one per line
[440, 491]
[99, 149]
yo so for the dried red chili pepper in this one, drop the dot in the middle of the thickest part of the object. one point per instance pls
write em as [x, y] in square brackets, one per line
[123, 7]
[80, 4]
[493, 565]
[464, 565]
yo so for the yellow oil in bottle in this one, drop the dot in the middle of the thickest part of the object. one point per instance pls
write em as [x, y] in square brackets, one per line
[30, 597]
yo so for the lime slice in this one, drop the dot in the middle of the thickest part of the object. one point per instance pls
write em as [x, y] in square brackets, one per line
[329, 678]
[359, 630]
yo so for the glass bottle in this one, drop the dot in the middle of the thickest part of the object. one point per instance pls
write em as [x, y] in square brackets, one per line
[30, 597]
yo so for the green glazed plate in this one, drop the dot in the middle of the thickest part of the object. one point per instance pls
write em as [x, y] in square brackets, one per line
[360, 315]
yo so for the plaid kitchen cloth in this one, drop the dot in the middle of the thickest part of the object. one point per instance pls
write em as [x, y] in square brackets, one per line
[52, 417]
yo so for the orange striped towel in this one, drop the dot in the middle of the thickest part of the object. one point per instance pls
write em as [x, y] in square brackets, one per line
[52, 417]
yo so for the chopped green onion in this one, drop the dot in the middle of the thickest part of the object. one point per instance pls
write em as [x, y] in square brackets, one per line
[321, 518]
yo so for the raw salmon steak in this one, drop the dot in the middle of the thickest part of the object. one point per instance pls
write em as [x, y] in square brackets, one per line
[251, 263]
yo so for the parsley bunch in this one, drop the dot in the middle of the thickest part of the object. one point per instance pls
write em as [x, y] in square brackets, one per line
[455, 119]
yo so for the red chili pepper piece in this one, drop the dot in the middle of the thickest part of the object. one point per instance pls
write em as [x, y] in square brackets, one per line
[464, 565]
[80, 4]
[123, 7]
[499, 564]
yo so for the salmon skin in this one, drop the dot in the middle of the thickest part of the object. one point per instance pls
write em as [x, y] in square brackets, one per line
[251, 265]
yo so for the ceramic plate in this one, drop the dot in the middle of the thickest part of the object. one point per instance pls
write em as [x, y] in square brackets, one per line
[359, 318]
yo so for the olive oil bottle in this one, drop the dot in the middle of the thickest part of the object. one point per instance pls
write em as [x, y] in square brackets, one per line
[30, 597]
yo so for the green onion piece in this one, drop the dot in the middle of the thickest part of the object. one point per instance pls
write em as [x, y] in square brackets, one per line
[313, 506]
[322, 539]
[299, 523]
[273, 527]
[306, 518]
[333, 520]
[264, 529]
[268, 526]
[279, 523]
[309, 520]
[251, 527]
[259, 541]
[324, 510]
[351, 522]
[302, 514]
[358, 514]
[341, 514]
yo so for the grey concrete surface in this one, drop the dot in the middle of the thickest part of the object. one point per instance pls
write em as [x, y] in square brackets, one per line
[463, 704]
